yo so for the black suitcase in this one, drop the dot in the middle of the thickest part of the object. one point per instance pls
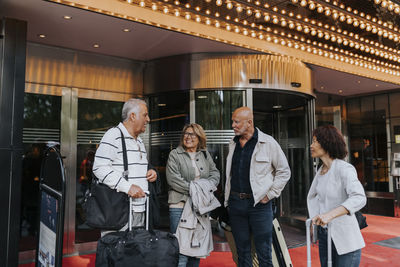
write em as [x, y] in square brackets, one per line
[138, 247]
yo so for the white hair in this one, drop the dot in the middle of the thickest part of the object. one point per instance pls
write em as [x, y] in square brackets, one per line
[132, 106]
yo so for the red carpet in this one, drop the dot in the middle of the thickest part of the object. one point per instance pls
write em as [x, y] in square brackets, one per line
[75, 261]
[220, 259]
[379, 228]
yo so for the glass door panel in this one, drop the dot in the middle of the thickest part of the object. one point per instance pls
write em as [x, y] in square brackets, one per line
[214, 108]
[214, 113]
[294, 139]
[42, 119]
[168, 114]
[285, 117]
[95, 117]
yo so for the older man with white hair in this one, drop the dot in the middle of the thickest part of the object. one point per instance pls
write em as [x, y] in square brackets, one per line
[109, 166]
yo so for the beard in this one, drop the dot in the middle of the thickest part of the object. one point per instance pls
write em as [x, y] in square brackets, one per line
[239, 132]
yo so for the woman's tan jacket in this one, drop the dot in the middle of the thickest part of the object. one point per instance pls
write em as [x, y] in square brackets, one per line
[180, 172]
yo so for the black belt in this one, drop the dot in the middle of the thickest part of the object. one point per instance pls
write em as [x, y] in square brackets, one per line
[242, 195]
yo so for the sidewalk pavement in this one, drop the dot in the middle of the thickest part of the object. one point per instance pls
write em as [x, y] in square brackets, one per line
[382, 238]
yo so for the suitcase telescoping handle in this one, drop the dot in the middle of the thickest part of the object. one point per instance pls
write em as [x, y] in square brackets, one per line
[308, 237]
[146, 211]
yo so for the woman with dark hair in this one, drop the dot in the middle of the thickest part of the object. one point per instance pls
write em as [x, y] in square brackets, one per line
[335, 195]
[190, 161]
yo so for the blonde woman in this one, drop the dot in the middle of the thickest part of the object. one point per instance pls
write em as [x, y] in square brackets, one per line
[189, 161]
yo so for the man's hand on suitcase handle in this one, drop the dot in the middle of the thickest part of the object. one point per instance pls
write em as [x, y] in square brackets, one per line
[136, 192]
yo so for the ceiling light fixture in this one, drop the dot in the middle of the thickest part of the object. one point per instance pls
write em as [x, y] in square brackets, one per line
[126, 30]
[346, 39]
[96, 45]
[67, 17]
[41, 35]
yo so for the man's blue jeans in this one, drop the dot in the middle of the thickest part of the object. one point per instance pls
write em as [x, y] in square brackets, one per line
[246, 220]
[174, 217]
[351, 259]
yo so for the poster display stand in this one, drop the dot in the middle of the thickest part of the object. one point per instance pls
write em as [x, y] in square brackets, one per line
[52, 208]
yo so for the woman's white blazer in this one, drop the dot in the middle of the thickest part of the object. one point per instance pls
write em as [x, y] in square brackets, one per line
[343, 190]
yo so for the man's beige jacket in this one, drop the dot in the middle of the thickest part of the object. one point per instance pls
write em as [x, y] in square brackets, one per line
[269, 169]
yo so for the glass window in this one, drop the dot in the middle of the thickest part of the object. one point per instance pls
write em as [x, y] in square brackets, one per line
[214, 113]
[353, 110]
[285, 117]
[382, 104]
[394, 104]
[327, 109]
[367, 105]
[395, 121]
[214, 108]
[168, 113]
[95, 117]
[42, 118]
[395, 136]
[368, 141]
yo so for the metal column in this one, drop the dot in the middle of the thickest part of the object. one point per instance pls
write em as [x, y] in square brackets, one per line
[12, 87]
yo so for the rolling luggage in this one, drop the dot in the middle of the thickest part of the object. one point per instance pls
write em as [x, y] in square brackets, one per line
[308, 237]
[280, 252]
[138, 247]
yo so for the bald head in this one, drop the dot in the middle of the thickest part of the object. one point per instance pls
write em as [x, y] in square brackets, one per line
[242, 122]
[244, 113]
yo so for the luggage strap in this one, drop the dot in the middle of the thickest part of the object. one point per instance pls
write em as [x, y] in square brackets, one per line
[125, 156]
[147, 198]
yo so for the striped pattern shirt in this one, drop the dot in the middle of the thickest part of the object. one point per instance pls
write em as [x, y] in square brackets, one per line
[109, 163]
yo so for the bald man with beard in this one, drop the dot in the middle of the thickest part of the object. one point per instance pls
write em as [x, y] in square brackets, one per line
[256, 172]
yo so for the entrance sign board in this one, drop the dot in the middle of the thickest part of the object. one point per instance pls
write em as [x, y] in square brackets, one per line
[52, 202]
[395, 172]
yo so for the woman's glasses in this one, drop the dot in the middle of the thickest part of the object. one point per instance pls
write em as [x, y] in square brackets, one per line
[191, 135]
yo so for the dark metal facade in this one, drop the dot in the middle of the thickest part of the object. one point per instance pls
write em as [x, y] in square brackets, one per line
[12, 83]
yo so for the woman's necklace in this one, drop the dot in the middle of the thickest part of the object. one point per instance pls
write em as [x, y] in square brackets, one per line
[324, 169]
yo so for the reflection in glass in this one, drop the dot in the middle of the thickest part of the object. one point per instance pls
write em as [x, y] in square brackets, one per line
[368, 140]
[214, 108]
[42, 117]
[95, 117]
